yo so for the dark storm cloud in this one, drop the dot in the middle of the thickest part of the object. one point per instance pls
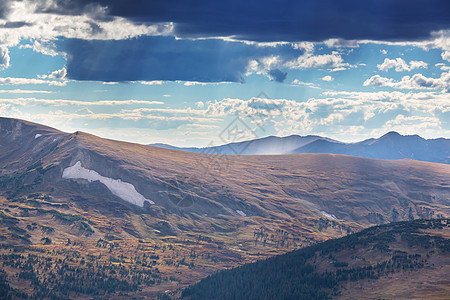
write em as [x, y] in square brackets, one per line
[165, 58]
[15, 24]
[311, 20]
[277, 75]
[5, 7]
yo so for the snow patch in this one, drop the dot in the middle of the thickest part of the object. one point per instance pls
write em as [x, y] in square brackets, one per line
[241, 212]
[328, 215]
[37, 135]
[121, 189]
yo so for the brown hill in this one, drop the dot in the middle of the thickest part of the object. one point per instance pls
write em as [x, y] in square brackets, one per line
[210, 211]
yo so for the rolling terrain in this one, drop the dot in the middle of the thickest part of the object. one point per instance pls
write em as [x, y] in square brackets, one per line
[141, 219]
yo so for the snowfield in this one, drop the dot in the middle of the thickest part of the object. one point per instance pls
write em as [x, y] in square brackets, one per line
[123, 190]
[328, 215]
[241, 213]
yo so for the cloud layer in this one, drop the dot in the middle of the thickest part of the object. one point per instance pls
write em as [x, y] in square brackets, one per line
[307, 20]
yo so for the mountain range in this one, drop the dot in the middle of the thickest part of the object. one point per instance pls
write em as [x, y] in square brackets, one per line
[149, 220]
[392, 145]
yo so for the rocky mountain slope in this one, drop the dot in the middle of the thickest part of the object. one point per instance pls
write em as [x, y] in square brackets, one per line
[79, 195]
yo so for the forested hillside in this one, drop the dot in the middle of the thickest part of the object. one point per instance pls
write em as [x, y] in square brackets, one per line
[324, 270]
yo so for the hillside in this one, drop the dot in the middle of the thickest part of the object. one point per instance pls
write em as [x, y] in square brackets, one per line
[389, 146]
[151, 219]
[406, 260]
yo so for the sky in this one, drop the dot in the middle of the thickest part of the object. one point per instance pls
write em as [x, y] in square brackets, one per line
[202, 73]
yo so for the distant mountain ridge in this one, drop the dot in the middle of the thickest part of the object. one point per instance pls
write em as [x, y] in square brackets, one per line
[392, 145]
[271, 145]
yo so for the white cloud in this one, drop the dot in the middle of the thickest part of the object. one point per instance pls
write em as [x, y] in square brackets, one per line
[309, 84]
[410, 125]
[327, 78]
[192, 83]
[417, 81]
[309, 60]
[154, 82]
[446, 55]
[48, 26]
[84, 110]
[62, 102]
[341, 43]
[45, 47]
[400, 65]
[58, 74]
[442, 66]
[339, 114]
[19, 81]
[383, 51]
[4, 57]
[20, 91]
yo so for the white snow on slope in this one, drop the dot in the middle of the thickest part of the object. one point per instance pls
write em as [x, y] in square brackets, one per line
[328, 215]
[241, 212]
[37, 135]
[121, 189]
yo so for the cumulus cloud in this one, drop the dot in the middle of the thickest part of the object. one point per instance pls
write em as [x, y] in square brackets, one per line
[327, 78]
[58, 74]
[400, 65]
[30, 23]
[417, 81]
[309, 60]
[272, 66]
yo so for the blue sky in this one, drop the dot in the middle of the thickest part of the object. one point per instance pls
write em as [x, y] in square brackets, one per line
[165, 71]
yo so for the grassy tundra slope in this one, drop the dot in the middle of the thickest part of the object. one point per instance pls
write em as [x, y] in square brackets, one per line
[202, 212]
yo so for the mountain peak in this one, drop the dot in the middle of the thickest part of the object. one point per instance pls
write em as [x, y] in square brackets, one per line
[391, 134]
